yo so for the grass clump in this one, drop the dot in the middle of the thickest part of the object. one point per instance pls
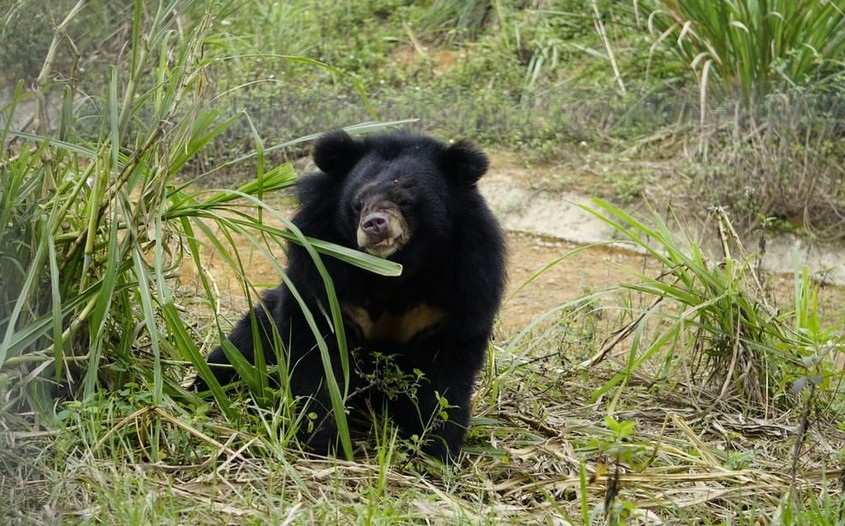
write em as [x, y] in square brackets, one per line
[661, 381]
[769, 105]
[95, 233]
[783, 172]
[713, 324]
[748, 49]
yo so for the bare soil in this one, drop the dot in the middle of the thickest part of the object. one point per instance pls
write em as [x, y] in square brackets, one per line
[528, 255]
[544, 223]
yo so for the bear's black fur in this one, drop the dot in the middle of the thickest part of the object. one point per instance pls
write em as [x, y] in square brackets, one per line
[413, 200]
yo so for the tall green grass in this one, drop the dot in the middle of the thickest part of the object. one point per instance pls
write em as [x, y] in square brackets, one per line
[459, 20]
[769, 75]
[710, 324]
[95, 231]
[747, 49]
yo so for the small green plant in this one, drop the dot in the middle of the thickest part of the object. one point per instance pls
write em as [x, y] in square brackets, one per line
[620, 450]
[627, 187]
[385, 375]
[618, 445]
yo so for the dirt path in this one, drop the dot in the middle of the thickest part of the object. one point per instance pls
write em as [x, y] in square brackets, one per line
[581, 271]
[568, 279]
[537, 201]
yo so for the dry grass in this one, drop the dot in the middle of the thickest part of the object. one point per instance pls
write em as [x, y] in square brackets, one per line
[541, 450]
[536, 430]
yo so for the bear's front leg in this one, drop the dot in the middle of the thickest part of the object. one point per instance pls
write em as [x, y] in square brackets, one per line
[440, 412]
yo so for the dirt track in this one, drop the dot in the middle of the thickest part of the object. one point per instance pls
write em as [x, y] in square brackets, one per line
[586, 270]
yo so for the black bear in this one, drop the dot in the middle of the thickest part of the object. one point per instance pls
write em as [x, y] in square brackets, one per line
[413, 200]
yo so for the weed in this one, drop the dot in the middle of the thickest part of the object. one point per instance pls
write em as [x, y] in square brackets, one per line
[788, 169]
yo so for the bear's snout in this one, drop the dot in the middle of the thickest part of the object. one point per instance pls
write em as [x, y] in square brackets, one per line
[382, 232]
[376, 224]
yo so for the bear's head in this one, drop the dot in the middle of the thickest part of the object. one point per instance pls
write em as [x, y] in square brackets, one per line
[398, 190]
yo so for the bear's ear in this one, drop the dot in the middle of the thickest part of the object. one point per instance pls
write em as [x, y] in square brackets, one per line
[464, 162]
[335, 153]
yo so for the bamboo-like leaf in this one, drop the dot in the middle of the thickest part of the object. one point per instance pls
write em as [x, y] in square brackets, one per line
[354, 257]
[56, 300]
[28, 286]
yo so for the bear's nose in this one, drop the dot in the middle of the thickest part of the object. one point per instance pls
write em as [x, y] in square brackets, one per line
[375, 224]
